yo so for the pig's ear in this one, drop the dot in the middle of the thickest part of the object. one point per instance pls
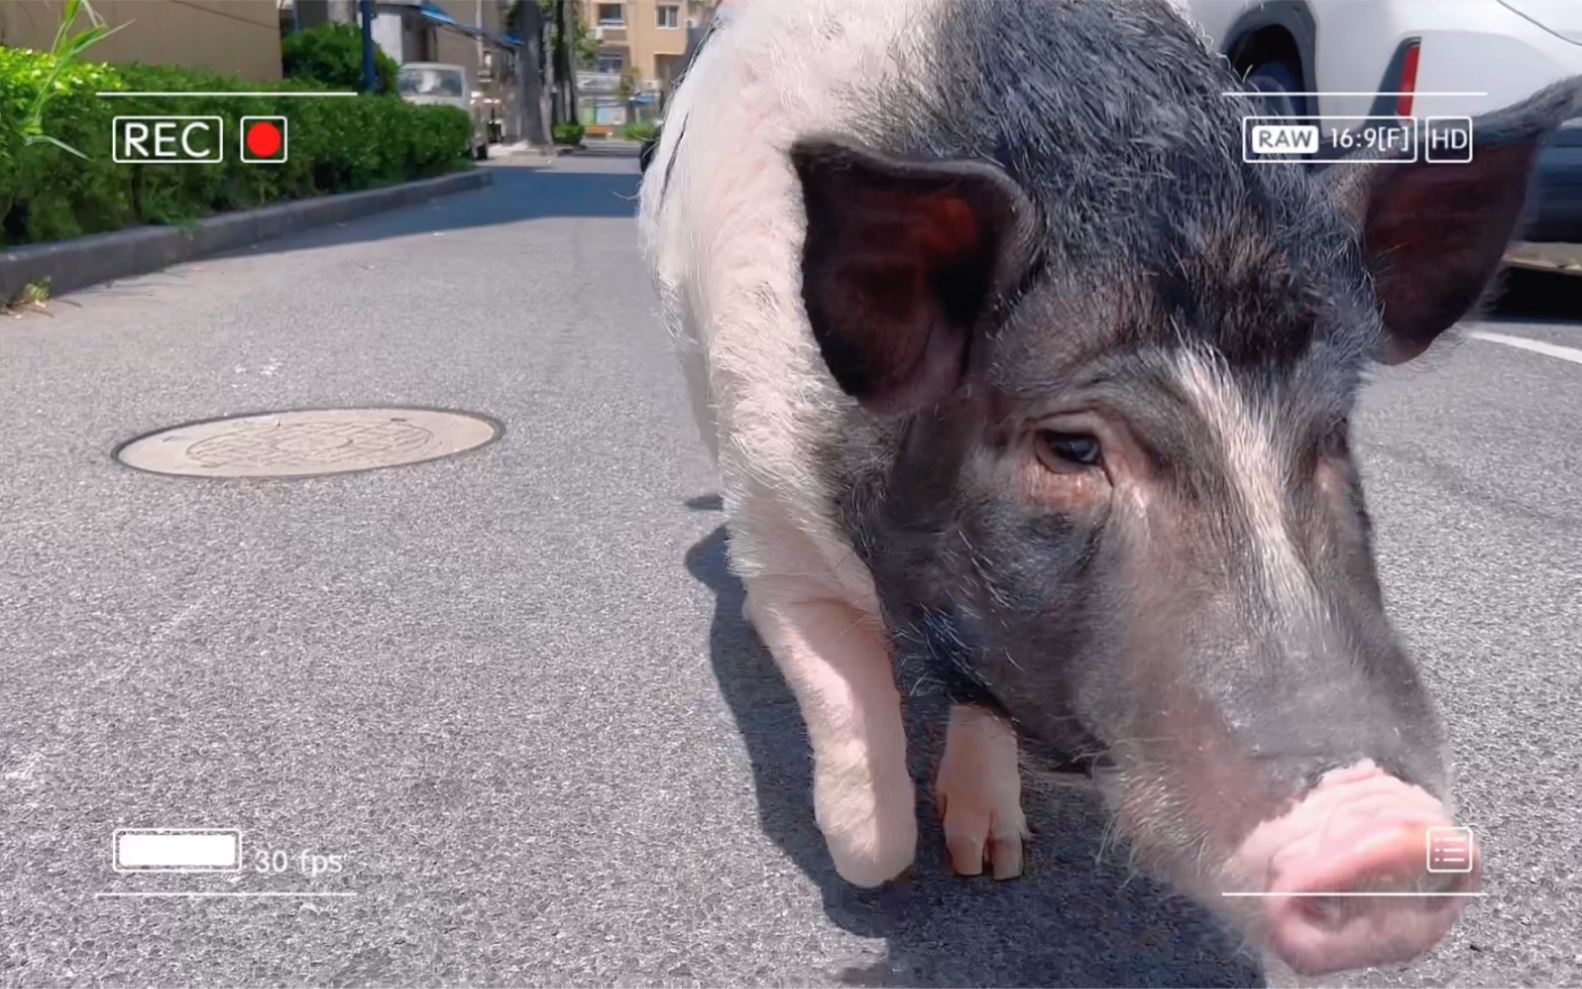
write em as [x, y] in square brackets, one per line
[902, 264]
[1435, 233]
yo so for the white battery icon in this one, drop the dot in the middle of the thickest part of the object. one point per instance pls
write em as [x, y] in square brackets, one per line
[177, 850]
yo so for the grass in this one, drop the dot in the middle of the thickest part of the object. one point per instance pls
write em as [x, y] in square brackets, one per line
[66, 49]
[34, 297]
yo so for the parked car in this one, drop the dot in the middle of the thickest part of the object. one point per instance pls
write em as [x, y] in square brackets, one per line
[448, 85]
[1350, 60]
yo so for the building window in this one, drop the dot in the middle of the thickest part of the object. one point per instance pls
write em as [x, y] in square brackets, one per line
[668, 15]
[609, 63]
[611, 15]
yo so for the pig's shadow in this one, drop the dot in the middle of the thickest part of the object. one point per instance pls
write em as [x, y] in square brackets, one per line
[1071, 920]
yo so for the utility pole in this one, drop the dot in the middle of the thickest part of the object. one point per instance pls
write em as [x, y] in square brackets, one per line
[370, 76]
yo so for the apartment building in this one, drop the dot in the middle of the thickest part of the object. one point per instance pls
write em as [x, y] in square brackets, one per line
[237, 37]
[642, 49]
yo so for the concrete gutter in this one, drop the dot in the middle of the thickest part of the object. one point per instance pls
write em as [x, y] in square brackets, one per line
[70, 265]
[1560, 258]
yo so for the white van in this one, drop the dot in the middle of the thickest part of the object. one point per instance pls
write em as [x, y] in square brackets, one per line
[448, 85]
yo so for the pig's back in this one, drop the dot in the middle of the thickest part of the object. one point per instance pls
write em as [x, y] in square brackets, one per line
[720, 218]
[721, 228]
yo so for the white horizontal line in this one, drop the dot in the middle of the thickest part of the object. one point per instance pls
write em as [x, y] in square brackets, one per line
[1419, 93]
[1536, 346]
[221, 93]
[1321, 893]
[196, 895]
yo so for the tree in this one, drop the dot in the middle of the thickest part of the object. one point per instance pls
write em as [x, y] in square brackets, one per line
[627, 87]
[572, 47]
[527, 22]
[585, 44]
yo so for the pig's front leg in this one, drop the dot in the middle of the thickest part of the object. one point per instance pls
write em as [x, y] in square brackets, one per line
[838, 665]
[979, 794]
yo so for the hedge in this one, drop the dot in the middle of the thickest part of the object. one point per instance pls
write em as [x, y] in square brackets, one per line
[332, 54]
[641, 130]
[335, 144]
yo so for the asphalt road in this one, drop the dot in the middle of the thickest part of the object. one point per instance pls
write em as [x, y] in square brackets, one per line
[512, 691]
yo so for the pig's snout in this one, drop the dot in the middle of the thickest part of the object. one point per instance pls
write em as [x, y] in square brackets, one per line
[1361, 831]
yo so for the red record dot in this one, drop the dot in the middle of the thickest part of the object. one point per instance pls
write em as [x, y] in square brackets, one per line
[263, 139]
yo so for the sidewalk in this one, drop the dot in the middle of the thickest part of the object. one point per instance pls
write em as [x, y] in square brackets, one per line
[523, 153]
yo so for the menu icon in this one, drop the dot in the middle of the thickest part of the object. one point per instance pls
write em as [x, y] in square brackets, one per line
[1449, 850]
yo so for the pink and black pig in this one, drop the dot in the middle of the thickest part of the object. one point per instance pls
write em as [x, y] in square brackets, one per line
[1008, 360]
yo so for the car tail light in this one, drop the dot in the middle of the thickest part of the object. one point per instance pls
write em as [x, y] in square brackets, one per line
[1403, 101]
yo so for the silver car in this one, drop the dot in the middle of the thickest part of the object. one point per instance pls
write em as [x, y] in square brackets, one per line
[1413, 58]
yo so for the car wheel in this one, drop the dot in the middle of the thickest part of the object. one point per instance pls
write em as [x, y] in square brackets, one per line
[481, 152]
[1278, 83]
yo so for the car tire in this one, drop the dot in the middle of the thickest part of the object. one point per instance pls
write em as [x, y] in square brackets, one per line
[1278, 82]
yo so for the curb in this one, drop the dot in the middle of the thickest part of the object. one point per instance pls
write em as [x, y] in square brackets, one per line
[1565, 259]
[528, 159]
[75, 264]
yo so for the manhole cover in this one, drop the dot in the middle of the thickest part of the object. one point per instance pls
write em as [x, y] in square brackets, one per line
[308, 442]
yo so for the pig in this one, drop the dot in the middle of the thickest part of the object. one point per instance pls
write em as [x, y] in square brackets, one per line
[1008, 360]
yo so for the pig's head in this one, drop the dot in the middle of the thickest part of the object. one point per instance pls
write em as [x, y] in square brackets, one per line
[1124, 508]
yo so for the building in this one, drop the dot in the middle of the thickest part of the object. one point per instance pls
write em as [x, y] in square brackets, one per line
[470, 33]
[237, 37]
[242, 37]
[642, 47]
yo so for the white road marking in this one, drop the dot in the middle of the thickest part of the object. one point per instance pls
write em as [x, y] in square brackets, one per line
[1324, 894]
[206, 895]
[1536, 346]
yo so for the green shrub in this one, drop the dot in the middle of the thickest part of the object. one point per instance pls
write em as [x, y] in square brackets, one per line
[332, 55]
[640, 130]
[569, 133]
[336, 144]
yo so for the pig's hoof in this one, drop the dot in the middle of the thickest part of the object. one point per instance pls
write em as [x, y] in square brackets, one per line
[982, 829]
[871, 864]
[874, 852]
[979, 797]
[872, 839]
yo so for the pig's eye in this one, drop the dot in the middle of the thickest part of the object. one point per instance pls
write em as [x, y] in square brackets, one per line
[1067, 450]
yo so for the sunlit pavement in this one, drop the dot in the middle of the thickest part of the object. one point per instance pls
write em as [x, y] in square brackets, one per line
[511, 690]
